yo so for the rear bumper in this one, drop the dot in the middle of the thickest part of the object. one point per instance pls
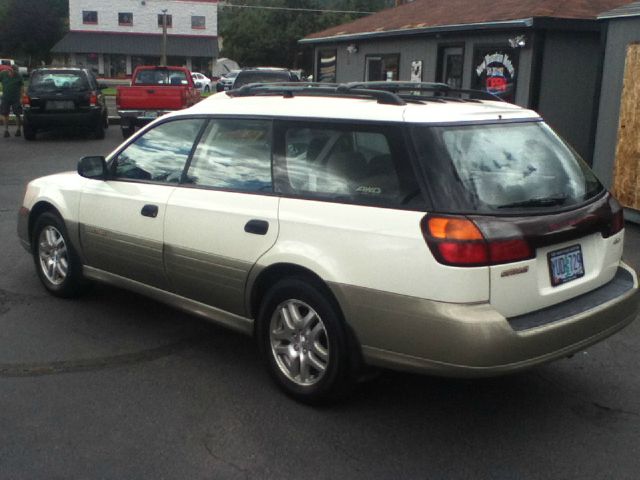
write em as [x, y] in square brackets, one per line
[475, 340]
[138, 118]
[39, 119]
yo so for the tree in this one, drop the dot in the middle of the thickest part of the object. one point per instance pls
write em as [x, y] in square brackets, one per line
[261, 36]
[30, 28]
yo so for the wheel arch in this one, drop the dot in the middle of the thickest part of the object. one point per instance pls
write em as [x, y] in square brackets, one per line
[259, 285]
[38, 209]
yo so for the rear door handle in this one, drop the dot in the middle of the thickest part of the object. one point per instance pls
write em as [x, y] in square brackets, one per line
[151, 91]
[257, 227]
[149, 211]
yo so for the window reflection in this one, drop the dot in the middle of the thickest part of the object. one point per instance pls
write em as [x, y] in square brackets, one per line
[160, 154]
[352, 166]
[234, 154]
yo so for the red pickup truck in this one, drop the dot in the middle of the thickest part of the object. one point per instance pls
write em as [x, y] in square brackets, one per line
[154, 91]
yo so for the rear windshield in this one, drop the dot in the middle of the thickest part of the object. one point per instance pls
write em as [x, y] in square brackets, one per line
[61, 80]
[245, 78]
[161, 77]
[508, 168]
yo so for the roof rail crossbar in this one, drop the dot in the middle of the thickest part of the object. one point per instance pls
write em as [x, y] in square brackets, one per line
[438, 89]
[292, 89]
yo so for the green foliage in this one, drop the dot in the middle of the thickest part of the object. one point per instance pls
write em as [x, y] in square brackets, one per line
[30, 28]
[256, 37]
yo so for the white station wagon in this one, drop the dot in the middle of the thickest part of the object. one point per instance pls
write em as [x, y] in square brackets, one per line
[407, 226]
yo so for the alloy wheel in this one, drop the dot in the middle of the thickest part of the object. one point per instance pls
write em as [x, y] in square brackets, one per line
[299, 342]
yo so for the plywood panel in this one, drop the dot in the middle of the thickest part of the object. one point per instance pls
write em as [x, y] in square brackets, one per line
[626, 180]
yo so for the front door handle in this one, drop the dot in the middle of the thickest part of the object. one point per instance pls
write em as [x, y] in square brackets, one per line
[149, 211]
[257, 227]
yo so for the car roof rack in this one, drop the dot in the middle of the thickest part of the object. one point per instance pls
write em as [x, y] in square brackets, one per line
[417, 90]
[310, 89]
[388, 93]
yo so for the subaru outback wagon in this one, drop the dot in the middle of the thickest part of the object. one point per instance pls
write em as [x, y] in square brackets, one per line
[406, 226]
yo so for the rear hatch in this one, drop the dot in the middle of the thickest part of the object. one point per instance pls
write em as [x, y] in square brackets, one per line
[533, 211]
[161, 97]
[59, 91]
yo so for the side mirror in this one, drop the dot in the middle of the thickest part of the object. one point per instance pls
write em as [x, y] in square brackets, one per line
[93, 167]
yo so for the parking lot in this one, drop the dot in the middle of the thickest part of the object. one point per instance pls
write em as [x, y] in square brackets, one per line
[114, 385]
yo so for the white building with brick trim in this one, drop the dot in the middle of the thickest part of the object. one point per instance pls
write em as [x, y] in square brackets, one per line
[114, 37]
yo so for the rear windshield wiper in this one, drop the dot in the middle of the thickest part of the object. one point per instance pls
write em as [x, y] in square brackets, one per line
[538, 202]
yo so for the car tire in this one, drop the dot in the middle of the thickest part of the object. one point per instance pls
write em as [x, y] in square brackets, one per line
[127, 131]
[56, 261]
[304, 341]
[28, 132]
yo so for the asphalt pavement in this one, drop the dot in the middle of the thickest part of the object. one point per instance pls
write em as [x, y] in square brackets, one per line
[116, 386]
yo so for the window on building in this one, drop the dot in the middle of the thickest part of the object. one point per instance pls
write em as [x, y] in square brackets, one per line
[169, 20]
[327, 65]
[198, 22]
[450, 65]
[89, 17]
[382, 68]
[125, 18]
[495, 70]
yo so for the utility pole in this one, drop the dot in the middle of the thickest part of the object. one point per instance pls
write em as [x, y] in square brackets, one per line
[163, 56]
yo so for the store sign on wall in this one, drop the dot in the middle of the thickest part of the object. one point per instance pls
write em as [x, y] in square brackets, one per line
[496, 72]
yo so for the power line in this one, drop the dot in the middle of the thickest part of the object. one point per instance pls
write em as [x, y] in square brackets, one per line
[293, 9]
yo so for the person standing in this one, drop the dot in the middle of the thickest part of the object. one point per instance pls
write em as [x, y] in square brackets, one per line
[11, 93]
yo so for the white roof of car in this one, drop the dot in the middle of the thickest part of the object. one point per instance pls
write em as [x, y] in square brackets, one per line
[335, 107]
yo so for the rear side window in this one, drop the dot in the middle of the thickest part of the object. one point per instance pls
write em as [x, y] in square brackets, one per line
[504, 168]
[235, 155]
[346, 164]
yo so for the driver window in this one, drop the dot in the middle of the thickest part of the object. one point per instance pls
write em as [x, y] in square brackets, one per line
[160, 154]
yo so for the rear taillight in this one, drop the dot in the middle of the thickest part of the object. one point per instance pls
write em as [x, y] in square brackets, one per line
[458, 241]
[617, 222]
[26, 101]
[93, 99]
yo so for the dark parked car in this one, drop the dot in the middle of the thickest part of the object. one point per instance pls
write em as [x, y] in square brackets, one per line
[226, 81]
[64, 97]
[264, 75]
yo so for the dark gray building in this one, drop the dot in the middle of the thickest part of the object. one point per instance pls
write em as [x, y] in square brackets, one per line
[541, 54]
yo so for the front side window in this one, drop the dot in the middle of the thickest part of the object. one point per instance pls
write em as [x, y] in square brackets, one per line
[504, 168]
[160, 155]
[198, 22]
[350, 165]
[125, 18]
[234, 155]
[89, 17]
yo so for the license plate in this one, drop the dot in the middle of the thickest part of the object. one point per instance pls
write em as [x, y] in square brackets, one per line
[150, 114]
[60, 105]
[565, 265]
